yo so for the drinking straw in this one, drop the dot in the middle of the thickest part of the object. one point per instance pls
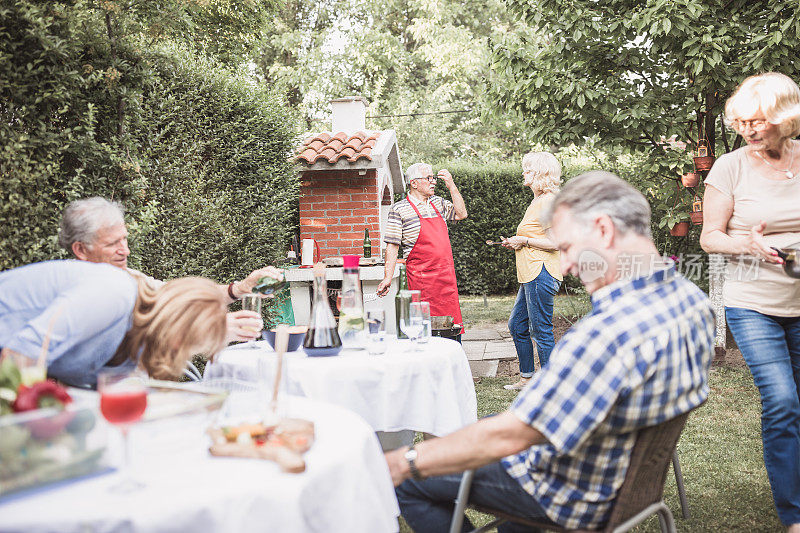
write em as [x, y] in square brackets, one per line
[281, 343]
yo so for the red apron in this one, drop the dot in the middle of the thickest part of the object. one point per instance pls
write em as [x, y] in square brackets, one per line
[430, 267]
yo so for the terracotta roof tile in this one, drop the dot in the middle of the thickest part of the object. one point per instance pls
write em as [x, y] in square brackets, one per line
[338, 146]
[365, 152]
[348, 152]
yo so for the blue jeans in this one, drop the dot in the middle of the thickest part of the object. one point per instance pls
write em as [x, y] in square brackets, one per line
[532, 319]
[427, 505]
[771, 347]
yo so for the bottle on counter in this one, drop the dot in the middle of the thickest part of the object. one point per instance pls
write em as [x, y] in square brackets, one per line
[367, 244]
[322, 337]
[291, 256]
[352, 321]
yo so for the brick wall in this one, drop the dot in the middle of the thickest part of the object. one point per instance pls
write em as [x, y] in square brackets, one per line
[335, 207]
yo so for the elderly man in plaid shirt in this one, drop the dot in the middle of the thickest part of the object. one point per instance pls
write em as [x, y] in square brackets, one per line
[639, 358]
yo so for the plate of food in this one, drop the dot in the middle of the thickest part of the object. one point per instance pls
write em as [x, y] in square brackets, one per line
[284, 443]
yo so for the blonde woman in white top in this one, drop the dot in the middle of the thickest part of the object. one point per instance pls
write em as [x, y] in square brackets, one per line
[751, 204]
[538, 267]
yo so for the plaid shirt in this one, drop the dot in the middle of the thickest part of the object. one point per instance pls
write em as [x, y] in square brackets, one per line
[639, 358]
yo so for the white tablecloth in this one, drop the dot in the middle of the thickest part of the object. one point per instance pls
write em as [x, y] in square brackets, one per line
[346, 487]
[430, 390]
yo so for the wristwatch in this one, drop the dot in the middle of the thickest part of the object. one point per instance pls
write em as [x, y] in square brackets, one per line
[411, 457]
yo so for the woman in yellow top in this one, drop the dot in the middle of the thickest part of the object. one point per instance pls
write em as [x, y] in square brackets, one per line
[538, 267]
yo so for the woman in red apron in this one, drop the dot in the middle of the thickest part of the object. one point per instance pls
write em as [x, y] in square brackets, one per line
[430, 267]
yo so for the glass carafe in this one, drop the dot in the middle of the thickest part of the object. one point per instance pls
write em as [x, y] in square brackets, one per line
[322, 337]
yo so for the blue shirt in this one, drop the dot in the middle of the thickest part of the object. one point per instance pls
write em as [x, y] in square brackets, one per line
[639, 358]
[93, 303]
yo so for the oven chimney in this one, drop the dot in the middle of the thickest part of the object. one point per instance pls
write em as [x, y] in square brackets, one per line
[349, 114]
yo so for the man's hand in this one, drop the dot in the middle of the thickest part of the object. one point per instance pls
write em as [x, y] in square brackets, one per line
[245, 286]
[516, 242]
[244, 326]
[398, 466]
[446, 177]
[383, 287]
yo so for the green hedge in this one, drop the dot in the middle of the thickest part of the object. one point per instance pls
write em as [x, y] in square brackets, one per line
[198, 156]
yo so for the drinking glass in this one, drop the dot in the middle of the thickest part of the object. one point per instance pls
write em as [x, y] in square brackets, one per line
[123, 400]
[376, 328]
[411, 323]
[252, 302]
[425, 336]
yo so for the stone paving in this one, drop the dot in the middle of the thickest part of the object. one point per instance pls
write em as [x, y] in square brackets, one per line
[486, 348]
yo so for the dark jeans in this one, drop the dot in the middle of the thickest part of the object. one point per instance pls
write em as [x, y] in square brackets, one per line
[532, 318]
[771, 347]
[427, 506]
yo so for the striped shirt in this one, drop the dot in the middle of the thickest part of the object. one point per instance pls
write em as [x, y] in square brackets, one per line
[639, 358]
[402, 226]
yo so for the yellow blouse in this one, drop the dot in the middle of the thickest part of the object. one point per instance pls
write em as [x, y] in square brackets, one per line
[530, 260]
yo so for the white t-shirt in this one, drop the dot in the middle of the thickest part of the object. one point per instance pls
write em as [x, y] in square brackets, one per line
[751, 284]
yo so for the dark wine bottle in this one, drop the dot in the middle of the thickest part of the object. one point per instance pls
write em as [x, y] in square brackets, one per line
[367, 244]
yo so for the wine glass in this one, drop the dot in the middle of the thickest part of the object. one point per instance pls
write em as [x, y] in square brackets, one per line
[425, 308]
[411, 322]
[376, 328]
[252, 302]
[123, 400]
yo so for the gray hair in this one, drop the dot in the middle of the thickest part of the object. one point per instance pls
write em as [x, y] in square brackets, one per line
[414, 172]
[599, 192]
[82, 219]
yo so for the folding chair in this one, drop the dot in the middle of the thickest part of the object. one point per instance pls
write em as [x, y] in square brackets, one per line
[639, 497]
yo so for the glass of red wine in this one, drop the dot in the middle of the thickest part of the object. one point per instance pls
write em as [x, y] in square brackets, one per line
[123, 400]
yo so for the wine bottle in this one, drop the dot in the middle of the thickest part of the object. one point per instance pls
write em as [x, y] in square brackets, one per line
[367, 244]
[322, 338]
[269, 285]
[352, 322]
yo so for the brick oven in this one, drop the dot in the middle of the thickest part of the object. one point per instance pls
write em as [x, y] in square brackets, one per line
[348, 178]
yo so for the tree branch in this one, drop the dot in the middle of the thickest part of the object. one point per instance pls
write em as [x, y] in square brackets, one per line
[724, 133]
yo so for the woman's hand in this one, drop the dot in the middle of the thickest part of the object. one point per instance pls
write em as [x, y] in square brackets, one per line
[246, 285]
[516, 242]
[244, 326]
[757, 247]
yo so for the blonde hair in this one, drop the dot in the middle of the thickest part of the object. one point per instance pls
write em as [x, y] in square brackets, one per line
[776, 94]
[541, 172]
[172, 323]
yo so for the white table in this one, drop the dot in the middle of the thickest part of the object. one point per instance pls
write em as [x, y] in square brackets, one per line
[430, 390]
[346, 487]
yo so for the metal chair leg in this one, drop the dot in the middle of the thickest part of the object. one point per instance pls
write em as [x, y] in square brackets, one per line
[676, 466]
[461, 501]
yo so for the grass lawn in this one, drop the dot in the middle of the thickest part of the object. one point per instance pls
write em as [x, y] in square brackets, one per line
[720, 453]
[496, 309]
